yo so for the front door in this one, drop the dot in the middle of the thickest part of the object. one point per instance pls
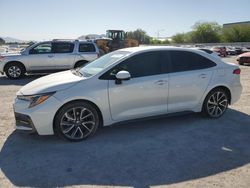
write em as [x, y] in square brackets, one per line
[39, 57]
[145, 94]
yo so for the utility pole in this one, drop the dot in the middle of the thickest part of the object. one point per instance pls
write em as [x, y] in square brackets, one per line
[158, 32]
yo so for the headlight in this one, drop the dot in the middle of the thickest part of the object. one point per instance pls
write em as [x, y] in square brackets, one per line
[35, 99]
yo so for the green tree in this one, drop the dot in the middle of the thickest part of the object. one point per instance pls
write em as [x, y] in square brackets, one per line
[240, 33]
[206, 32]
[155, 41]
[2, 41]
[179, 38]
[139, 35]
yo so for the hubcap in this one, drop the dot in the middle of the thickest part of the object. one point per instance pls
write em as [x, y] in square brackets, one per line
[77, 123]
[14, 71]
[217, 104]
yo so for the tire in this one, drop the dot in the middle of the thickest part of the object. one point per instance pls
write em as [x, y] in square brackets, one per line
[14, 70]
[216, 103]
[80, 64]
[76, 121]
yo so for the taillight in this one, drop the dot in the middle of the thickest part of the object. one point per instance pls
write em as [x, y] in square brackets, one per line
[236, 71]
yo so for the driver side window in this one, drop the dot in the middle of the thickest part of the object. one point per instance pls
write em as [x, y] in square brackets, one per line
[43, 48]
[144, 64]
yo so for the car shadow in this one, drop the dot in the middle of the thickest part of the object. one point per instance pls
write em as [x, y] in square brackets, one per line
[4, 80]
[142, 154]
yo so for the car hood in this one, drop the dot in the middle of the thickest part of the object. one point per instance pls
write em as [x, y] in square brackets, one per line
[10, 54]
[246, 54]
[50, 83]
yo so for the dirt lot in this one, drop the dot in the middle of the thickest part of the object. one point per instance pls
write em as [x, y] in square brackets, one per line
[183, 151]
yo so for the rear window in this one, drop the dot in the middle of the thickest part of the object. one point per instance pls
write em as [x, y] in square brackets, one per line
[63, 47]
[187, 61]
[207, 51]
[86, 47]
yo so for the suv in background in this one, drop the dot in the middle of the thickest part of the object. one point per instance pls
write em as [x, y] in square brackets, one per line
[49, 56]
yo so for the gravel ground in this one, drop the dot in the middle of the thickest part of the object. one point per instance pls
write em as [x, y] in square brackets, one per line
[180, 151]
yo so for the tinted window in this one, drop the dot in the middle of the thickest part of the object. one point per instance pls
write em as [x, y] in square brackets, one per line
[63, 47]
[43, 48]
[207, 51]
[145, 64]
[185, 61]
[86, 47]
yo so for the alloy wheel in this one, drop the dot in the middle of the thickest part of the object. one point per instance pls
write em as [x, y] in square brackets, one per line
[217, 104]
[77, 123]
[14, 71]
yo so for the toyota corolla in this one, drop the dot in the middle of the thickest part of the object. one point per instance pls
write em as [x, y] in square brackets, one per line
[127, 84]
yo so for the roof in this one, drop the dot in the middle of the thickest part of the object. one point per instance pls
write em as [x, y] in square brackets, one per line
[149, 48]
[236, 23]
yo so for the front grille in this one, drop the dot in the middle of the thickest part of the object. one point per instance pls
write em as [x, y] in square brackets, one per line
[245, 59]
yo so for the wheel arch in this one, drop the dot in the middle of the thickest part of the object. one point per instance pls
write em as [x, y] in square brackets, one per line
[225, 88]
[14, 61]
[80, 61]
[80, 100]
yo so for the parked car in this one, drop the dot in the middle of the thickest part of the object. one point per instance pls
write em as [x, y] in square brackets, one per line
[244, 58]
[220, 50]
[50, 56]
[127, 84]
[215, 54]
[238, 50]
[241, 50]
[231, 51]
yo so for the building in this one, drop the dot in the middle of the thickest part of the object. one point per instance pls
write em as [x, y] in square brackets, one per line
[229, 25]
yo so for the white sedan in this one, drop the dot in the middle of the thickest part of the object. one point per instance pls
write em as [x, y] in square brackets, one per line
[127, 84]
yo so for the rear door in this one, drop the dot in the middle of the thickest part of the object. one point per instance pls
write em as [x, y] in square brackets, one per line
[188, 80]
[63, 56]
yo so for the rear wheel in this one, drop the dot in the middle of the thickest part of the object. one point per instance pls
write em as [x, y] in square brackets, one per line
[77, 121]
[14, 70]
[216, 103]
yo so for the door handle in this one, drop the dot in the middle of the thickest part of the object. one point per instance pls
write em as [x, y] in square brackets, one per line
[202, 76]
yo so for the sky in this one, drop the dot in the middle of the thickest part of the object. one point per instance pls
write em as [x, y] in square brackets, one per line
[48, 19]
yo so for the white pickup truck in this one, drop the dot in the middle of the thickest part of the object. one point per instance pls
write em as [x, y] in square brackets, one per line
[49, 56]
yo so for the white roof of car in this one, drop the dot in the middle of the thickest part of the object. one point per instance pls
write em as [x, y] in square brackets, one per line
[149, 48]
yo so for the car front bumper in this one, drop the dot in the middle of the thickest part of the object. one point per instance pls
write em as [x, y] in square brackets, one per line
[38, 118]
[1, 67]
[24, 123]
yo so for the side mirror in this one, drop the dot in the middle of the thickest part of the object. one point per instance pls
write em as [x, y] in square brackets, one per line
[32, 51]
[122, 75]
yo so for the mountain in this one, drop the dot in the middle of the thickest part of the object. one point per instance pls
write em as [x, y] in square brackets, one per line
[10, 39]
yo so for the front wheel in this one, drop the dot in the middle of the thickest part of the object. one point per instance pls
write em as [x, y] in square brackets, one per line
[216, 103]
[77, 121]
[14, 70]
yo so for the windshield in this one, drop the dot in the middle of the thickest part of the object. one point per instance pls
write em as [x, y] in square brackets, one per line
[101, 63]
[29, 45]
